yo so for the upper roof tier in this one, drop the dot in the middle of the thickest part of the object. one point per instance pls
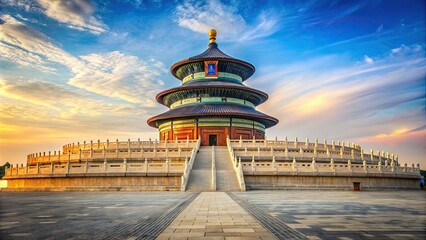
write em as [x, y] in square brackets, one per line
[226, 63]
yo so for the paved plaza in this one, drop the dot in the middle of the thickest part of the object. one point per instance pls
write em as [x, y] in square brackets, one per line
[214, 215]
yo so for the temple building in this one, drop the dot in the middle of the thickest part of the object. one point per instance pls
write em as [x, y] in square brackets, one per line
[213, 101]
[211, 139]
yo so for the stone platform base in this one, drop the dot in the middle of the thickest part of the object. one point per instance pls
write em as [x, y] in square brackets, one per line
[128, 183]
[280, 182]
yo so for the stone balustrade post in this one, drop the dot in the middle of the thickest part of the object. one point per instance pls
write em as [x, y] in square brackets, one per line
[52, 167]
[392, 166]
[253, 164]
[314, 165]
[167, 152]
[405, 167]
[258, 151]
[294, 165]
[286, 152]
[328, 152]
[301, 152]
[26, 169]
[107, 143]
[87, 165]
[91, 153]
[386, 163]
[146, 165]
[49, 157]
[241, 141]
[285, 141]
[105, 165]
[412, 167]
[364, 165]
[38, 168]
[307, 142]
[179, 151]
[167, 165]
[343, 145]
[99, 144]
[245, 151]
[125, 165]
[325, 143]
[273, 163]
[116, 148]
[104, 152]
[362, 154]
[349, 166]
[341, 152]
[295, 143]
[352, 154]
[380, 166]
[333, 145]
[315, 152]
[187, 140]
[316, 142]
[79, 154]
[59, 156]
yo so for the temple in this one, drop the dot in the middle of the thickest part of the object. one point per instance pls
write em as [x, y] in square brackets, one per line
[211, 139]
[213, 101]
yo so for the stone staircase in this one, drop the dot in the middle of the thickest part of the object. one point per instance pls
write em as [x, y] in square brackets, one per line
[226, 179]
[200, 179]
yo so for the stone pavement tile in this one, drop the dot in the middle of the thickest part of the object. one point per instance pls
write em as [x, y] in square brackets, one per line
[215, 214]
[207, 238]
[229, 234]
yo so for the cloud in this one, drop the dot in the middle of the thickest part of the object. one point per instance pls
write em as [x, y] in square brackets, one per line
[349, 101]
[26, 46]
[368, 59]
[113, 74]
[118, 75]
[76, 14]
[202, 16]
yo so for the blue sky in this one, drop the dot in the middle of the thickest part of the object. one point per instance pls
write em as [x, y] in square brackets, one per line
[86, 70]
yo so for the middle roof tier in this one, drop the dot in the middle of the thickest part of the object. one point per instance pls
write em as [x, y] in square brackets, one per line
[211, 89]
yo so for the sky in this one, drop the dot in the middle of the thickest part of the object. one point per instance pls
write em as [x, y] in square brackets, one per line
[81, 70]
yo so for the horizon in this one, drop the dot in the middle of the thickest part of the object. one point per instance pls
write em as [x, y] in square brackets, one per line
[89, 70]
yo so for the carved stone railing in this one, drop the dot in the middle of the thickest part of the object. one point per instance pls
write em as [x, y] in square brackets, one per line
[188, 166]
[213, 169]
[145, 167]
[294, 167]
[237, 166]
[290, 149]
[117, 150]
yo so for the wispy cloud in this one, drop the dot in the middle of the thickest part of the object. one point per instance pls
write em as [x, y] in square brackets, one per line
[352, 101]
[122, 76]
[112, 74]
[202, 16]
[75, 14]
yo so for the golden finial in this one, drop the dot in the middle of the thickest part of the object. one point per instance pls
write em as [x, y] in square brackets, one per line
[212, 35]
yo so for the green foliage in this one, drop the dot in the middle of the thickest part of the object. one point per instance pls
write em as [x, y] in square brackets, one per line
[2, 169]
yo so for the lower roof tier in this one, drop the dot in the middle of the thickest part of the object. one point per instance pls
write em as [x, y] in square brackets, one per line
[214, 110]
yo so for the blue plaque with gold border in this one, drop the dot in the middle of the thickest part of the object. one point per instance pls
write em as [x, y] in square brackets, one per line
[211, 68]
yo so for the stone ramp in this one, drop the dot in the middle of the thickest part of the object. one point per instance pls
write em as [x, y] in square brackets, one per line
[200, 179]
[226, 179]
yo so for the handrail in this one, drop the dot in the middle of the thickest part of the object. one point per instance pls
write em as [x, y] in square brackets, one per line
[213, 169]
[237, 166]
[140, 167]
[188, 166]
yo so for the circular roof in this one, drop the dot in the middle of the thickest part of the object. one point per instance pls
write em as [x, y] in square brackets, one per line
[240, 67]
[207, 110]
